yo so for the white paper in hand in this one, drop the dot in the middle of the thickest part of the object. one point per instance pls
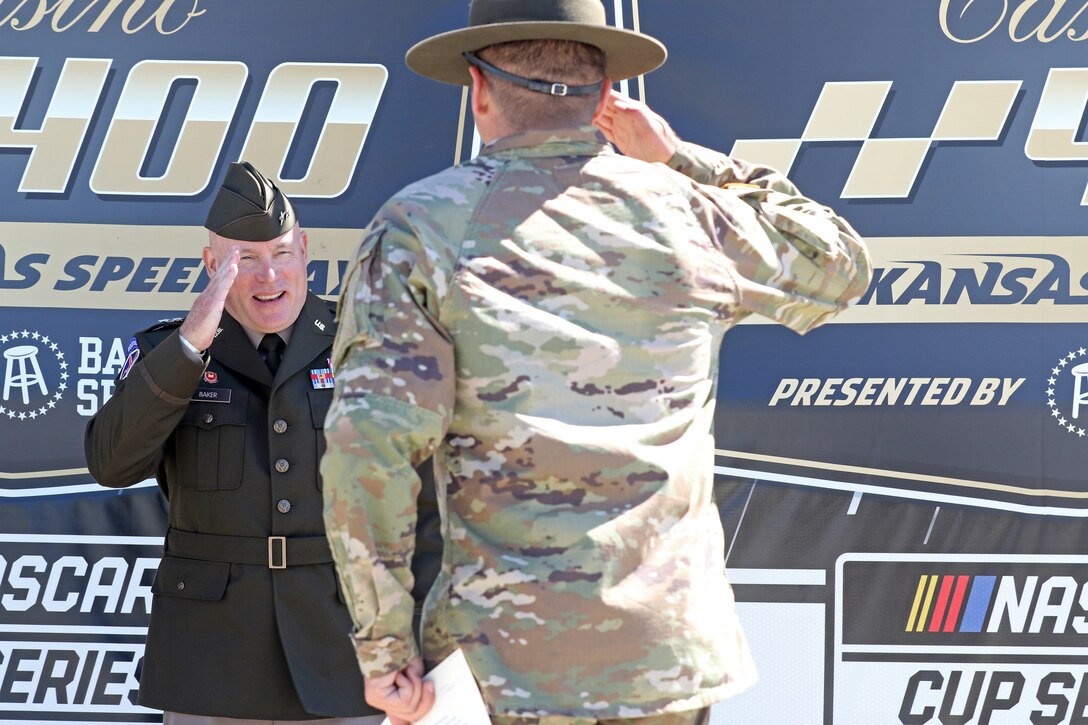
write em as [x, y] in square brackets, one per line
[457, 698]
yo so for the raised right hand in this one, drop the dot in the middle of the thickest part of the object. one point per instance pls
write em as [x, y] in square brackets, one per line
[203, 319]
[636, 130]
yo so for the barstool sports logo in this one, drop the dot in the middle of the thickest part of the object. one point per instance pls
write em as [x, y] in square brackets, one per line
[1067, 392]
[35, 375]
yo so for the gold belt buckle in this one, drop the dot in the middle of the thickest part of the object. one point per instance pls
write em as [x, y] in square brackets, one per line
[272, 541]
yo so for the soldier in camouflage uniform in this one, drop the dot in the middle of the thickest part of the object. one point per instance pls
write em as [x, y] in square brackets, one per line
[545, 320]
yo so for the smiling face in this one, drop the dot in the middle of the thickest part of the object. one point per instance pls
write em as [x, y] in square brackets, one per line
[270, 289]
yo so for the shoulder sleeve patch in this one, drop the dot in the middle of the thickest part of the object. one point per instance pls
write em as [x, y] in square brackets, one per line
[132, 354]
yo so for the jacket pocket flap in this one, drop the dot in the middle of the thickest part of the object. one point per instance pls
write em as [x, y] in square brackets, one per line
[212, 415]
[320, 400]
[191, 579]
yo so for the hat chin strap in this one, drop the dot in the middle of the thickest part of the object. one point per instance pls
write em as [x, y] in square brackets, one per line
[552, 89]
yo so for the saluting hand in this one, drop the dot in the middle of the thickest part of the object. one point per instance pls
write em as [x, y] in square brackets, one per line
[636, 131]
[402, 695]
[203, 319]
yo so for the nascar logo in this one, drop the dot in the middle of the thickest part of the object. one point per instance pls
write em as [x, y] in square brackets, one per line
[982, 639]
[1017, 605]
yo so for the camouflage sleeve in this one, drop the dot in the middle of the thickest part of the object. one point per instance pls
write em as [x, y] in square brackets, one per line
[714, 168]
[795, 260]
[391, 406]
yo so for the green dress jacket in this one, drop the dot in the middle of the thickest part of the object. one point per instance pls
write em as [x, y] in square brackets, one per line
[247, 619]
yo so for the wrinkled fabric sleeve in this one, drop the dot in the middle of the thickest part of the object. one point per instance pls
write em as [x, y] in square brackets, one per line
[123, 441]
[714, 168]
[795, 260]
[391, 407]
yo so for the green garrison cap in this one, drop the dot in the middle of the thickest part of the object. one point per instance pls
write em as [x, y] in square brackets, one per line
[249, 207]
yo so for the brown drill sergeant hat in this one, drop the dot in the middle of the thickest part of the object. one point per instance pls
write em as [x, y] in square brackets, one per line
[627, 53]
[249, 207]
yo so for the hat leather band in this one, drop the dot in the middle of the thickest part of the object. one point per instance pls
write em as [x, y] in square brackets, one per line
[552, 89]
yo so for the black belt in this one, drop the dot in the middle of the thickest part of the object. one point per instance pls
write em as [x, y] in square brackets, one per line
[277, 552]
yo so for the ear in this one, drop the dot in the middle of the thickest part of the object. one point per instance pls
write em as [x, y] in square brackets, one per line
[303, 241]
[602, 102]
[210, 262]
[481, 97]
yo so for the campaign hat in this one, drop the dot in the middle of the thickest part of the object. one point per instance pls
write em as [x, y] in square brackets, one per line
[249, 208]
[627, 53]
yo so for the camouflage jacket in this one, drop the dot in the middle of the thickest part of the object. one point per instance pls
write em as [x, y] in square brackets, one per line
[545, 320]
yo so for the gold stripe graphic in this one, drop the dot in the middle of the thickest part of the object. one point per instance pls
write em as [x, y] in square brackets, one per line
[917, 601]
[962, 483]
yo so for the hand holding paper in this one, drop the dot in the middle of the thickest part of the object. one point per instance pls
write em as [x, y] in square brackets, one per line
[457, 698]
[401, 694]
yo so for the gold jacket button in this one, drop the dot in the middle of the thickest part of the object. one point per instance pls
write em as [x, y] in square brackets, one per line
[282, 465]
[280, 426]
[208, 418]
[283, 506]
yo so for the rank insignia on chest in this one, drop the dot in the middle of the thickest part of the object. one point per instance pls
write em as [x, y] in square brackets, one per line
[322, 378]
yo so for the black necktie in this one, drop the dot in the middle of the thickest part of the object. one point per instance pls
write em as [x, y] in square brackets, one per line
[271, 350]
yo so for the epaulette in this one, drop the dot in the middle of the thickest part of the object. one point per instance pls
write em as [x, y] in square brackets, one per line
[166, 324]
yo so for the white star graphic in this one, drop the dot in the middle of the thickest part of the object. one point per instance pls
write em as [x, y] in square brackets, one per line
[1051, 403]
[46, 343]
[1055, 413]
